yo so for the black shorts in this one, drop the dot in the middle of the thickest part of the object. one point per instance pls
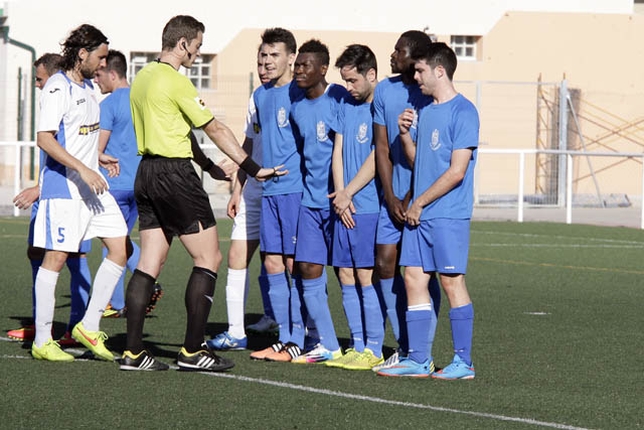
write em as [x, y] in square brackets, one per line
[169, 195]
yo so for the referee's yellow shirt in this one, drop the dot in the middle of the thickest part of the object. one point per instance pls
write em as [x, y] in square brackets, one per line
[165, 105]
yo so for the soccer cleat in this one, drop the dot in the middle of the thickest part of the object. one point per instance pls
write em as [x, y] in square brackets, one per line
[391, 361]
[261, 354]
[266, 325]
[349, 355]
[288, 352]
[67, 340]
[156, 296]
[407, 367]
[93, 340]
[142, 361]
[24, 334]
[365, 361]
[458, 369]
[225, 342]
[110, 312]
[50, 351]
[319, 354]
[204, 359]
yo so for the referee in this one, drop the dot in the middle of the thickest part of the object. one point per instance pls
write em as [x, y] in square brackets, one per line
[171, 200]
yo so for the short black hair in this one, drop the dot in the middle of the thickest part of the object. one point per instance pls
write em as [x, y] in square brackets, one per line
[438, 54]
[116, 62]
[416, 39]
[359, 56]
[314, 46]
[274, 35]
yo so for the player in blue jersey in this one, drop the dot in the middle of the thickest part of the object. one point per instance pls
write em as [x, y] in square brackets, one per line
[315, 120]
[392, 96]
[81, 280]
[244, 207]
[74, 205]
[437, 230]
[357, 205]
[281, 196]
[117, 139]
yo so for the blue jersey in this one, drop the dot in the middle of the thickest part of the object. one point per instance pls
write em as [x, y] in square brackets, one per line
[315, 122]
[442, 129]
[391, 98]
[273, 106]
[355, 124]
[116, 116]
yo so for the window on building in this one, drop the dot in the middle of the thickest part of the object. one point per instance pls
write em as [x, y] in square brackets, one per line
[465, 46]
[200, 72]
[138, 60]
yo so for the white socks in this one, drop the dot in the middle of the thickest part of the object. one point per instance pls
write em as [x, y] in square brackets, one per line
[45, 290]
[107, 276]
[236, 293]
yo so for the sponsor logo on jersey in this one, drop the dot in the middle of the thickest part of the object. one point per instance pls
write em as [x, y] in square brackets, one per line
[200, 103]
[84, 130]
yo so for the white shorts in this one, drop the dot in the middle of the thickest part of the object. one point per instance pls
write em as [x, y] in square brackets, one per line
[62, 224]
[246, 222]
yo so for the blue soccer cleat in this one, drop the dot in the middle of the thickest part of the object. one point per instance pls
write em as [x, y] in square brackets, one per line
[458, 369]
[409, 368]
[225, 342]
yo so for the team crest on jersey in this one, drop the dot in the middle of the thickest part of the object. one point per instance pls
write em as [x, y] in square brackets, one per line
[321, 132]
[256, 128]
[200, 103]
[362, 136]
[435, 140]
[282, 120]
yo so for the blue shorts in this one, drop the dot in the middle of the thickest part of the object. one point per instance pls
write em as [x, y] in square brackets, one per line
[314, 236]
[389, 232]
[355, 247]
[85, 246]
[437, 245]
[278, 223]
[127, 203]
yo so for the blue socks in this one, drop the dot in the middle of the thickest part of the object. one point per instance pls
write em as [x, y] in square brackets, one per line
[352, 310]
[279, 293]
[462, 322]
[316, 298]
[263, 288]
[80, 284]
[421, 323]
[373, 321]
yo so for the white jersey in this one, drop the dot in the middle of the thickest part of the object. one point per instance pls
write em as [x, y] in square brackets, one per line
[252, 131]
[72, 112]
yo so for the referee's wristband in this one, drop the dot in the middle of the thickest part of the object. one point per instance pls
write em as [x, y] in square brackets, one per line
[250, 167]
[209, 165]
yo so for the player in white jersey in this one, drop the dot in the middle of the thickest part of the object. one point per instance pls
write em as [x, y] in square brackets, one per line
[74, 204]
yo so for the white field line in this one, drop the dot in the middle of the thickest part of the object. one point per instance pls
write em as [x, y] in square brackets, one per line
[559, 238]
[359, 397]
